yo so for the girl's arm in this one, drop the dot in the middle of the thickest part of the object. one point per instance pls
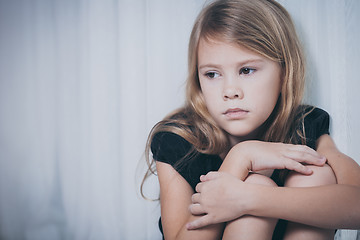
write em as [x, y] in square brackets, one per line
[346, 170]
[175, 199]
[261, 156]
[332, 206]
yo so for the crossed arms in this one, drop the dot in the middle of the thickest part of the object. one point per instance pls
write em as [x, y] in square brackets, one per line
[330, 206]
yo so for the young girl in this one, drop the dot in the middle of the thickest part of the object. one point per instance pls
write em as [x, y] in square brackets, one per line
[243, 133]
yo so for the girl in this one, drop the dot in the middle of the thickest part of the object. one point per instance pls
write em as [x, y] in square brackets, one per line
[243, 133]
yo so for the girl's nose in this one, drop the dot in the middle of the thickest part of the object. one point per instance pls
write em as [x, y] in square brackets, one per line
[232, 92]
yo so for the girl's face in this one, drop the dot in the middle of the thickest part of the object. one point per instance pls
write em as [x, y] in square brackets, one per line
[240, 87]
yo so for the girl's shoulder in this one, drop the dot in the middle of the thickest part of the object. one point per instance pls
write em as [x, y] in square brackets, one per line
[173, 149]
[169, 147]
[312, 113]
[168, 140]
[316, 119]
[316, 123]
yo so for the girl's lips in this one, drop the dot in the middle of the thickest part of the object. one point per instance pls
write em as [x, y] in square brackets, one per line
[235, 113]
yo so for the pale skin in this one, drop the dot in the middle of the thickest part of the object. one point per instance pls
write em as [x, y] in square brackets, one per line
[331, 206]
[248, 84]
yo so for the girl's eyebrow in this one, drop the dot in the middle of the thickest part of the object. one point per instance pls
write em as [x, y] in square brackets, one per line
[248, 61]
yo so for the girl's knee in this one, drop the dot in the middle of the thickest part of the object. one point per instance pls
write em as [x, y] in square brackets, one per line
[255, 178]
[250, 226]
[321, 176]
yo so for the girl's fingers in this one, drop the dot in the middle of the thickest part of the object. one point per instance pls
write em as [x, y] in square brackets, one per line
[199, 223]
[297, 167]
[305, 157]
[297, 154]
[196, 209]
[303, 153]
[198, 187]
[195, 198]
[209, 176]
[305, 149]
[203, 178]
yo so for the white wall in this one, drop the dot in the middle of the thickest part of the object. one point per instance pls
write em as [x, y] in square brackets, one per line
[330, 32]
[81, 84]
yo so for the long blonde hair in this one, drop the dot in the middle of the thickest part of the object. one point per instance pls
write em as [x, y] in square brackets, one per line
[262, 26]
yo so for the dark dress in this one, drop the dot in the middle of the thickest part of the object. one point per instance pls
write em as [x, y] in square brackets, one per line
[170, 148]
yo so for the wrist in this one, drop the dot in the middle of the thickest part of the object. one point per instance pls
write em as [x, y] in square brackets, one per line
[236, 162]
[253, 199]
[261, 200]
[243, 149]
[250, 196]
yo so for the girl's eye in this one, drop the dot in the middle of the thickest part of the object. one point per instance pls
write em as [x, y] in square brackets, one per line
[212, 74]
[246, 70]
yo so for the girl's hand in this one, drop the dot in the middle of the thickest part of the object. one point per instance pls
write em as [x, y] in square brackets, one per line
[258, 156]
[220, 196]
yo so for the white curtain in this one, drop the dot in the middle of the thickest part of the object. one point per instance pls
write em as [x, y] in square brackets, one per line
[83, 81]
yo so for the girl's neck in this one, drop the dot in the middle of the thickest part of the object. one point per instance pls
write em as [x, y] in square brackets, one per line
[257, 134]
[235, 139]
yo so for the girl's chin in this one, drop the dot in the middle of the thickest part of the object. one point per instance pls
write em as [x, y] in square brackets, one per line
[236, 137]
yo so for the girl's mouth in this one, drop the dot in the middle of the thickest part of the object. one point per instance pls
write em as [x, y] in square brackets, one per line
[235, 113]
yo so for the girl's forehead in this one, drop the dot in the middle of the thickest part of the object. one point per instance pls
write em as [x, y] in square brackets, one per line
[216, 45]
[211, 42]
[217, 41]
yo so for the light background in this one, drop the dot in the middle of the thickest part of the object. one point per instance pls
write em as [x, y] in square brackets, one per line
[83, 81]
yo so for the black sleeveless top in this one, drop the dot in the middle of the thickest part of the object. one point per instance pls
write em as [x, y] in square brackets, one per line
[171, 148]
